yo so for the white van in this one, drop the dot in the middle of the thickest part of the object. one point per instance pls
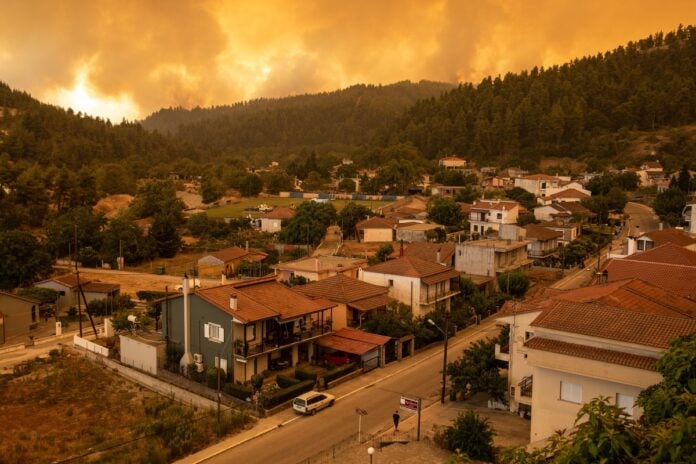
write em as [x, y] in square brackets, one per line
[313, 401]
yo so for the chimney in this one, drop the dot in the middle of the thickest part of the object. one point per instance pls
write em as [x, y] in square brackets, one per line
[223, 278]
[439, 256]
[659, 226]
[246, 247]
[316, 263]
[233, 301]
[187, 358]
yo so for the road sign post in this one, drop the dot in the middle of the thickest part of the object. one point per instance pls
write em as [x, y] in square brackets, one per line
[360, 413]
[412, 405]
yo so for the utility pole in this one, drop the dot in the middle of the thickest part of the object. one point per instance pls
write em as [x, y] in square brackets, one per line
[219, 395]
[79, 288]
[444, 363]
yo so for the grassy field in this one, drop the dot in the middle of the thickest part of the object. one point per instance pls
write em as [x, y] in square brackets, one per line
[68, 406]
[237, 209]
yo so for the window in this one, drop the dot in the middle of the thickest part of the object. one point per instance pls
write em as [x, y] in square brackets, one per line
[391, 282]
[499, 215]
[571, 392]
[214, 332]
[221, 365]
[528, 335]
[251, 332]
[626, 403]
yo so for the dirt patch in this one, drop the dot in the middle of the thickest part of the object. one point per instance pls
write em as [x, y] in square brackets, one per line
[112, 205]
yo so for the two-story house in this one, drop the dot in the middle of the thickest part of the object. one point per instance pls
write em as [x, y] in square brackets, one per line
[415, 282]
[491, 257]
[355, 299]
[563, 211]
[656, 238]
[452, 162]
[538, 184]
[567, 347]
[689, 217]
[245, 327]
[544, 242]
[570, 195]
[490, 214]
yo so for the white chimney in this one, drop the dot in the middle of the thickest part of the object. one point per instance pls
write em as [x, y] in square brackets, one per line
[223, 278]
[233, 301]
[187, 358]
[316, 264]
[659, 226]
[246, 246]
[439, 257]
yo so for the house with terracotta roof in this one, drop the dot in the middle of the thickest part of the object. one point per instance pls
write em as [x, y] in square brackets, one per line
[376, 229]
[17, 316]
[570, 230]
[67, 287]
[543, 241]
[315, 268]
[452, 162]
[272, 221]
[491, 257]
[245, 327]
[570, 195]
[355, 299]
[538, 184]
[415, 282]
[371, 350]
[650, 240]
[441, 253]
[568, 347]
[227, 260]
[563, 211]
[411, 232]
[490, 214]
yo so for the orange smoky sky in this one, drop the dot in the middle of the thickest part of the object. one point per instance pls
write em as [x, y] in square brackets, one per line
[127, 58]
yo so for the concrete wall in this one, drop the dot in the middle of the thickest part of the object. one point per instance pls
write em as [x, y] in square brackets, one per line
[550, 413]
[140, 355]
[378, 235]
[89, 346]
[16, 316]
[270, 225]
[475, 260]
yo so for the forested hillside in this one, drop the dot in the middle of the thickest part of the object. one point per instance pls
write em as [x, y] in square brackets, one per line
[349, 117]
[578, 109]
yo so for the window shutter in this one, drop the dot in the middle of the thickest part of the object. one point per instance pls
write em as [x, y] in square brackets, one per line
[206, 330]
[221, 331]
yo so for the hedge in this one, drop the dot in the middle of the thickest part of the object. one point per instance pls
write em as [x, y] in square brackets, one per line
[339, 372]
[285, 394]
[149, 295]
[285, 381]
[302, 374]
[238, 391]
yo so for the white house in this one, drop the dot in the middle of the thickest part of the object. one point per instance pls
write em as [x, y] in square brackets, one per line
[689, 217]
[539, 184]
[376, 229]
[452, 162]
[565, 195]
[271, 222]
[67, 287]
[415, 282]
[490, 214]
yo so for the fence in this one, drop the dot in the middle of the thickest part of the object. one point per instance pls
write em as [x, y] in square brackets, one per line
[89, 346]
[330, 454]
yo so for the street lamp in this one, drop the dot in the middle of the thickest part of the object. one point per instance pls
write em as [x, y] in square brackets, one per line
[370, 452]
[444, 358]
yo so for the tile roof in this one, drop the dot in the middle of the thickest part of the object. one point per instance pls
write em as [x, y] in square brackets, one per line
[494, 205]
[433, 279]
[465, 207]
[260, 299]
[669, 253]
[19, 297]
[68, 280]
[541, 233]
[361, 335]
[568, 193]
[679, 279]
[418, 226]
[230, 254]
[279, 213]
[409, 266]
[428, 251]
[341, 289]
[675, 236]
[346, 345]
[590, 352]
[376, 223]
[540, 177]
[617, 324]
[96, 286]
[371, 303]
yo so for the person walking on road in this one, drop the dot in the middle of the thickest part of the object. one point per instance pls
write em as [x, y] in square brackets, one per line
[396, 418]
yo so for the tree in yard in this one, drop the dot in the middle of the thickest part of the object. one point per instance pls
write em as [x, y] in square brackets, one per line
[278, 181]
[248, 184]
[156, 196]
[349, 216]
[444, 211]
[522, 197]
[122, 235]
[477, 371]
[469, 434]
[384, 252]
[669, 205]
[22, 259]
[347, 185]
[314, 182]
[166, 237]
[212, 188]
[525, 219]
[514, 283]
[309, 224]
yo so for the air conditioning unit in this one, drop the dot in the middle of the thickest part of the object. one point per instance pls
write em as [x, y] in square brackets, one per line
[198, 358]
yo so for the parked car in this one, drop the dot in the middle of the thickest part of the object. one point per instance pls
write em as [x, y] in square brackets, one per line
[312, 401]
[337, 359]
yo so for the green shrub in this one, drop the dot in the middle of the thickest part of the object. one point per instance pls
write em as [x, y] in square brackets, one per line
[285, 381]
[149, 295]
[211, 377]
[285, 394]
[339, 372]
[302, 374]
[257, 381]
[238, 391]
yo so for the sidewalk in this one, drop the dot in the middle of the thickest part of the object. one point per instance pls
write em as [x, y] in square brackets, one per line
[287, 416]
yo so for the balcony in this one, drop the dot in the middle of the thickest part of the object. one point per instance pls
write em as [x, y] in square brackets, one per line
[502, 353]
[431, 299]
[276, 341]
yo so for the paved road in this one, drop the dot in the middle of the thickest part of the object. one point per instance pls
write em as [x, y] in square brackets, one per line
[642, 218]
[377, 392]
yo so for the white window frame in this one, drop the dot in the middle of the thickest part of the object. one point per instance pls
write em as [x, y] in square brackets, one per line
[214, 332]
[570, 392]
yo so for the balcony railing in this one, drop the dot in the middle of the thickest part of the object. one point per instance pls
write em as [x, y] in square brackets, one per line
[430, 299]
[526, 386]
[274, 342]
